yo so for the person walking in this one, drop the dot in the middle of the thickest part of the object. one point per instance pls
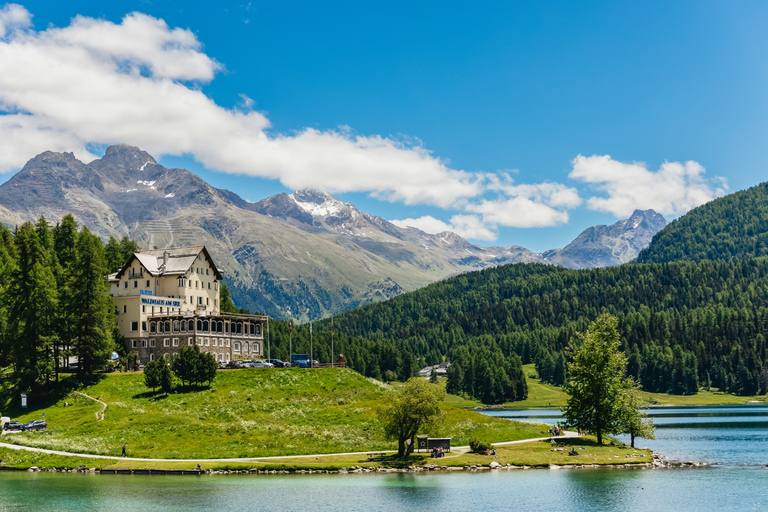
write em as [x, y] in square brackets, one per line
[123, 449]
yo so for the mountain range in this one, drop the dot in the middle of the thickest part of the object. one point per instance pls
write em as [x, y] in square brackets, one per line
[304, 255]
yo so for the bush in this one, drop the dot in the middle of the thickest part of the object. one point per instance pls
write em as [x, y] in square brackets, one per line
[478, 446]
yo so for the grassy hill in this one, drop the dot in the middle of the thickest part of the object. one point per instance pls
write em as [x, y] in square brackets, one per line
[245, 413]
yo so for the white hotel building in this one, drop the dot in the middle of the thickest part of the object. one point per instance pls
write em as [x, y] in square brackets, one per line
[169, 298]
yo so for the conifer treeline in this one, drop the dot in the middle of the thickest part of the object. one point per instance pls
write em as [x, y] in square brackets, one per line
[683, 325]
[55, 301]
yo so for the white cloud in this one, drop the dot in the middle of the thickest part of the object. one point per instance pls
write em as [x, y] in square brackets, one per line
[673, 189]
[466, 226]
[13, 17]
[427, 224]
[519, 212]
[472, 226]
[137, 82]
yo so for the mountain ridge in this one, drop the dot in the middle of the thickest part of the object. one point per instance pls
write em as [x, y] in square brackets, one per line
[305, 254]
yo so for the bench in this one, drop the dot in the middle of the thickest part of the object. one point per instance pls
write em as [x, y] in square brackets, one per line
[373, 457]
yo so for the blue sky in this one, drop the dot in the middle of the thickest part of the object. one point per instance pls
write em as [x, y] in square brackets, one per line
[512, 123]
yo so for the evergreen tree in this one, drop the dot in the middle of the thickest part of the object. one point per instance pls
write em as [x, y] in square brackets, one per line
[225, 299]
[114, 255]
[152, 374]
[595, 376]
[185, 364]
[165, 376]
[31, 302]
[89, 309]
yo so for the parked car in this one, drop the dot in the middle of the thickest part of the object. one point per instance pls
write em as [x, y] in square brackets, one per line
[13, 425]
[261, 364]
[277, 363]
[36, 425]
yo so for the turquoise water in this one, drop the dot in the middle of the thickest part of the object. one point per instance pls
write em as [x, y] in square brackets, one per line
[726, 436]
[529, 490]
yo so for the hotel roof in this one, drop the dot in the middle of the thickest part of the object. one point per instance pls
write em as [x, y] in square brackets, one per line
[168, 262]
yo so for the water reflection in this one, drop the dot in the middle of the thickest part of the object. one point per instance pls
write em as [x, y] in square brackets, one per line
[530, 490]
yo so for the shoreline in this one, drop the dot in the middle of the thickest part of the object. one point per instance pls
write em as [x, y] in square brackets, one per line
[657, 463]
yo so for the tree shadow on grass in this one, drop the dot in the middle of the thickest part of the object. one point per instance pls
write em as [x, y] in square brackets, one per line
[48, 395]
[178, 390]
[155, 395]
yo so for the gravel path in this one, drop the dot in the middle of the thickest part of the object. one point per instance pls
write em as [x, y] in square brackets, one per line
[462, 449]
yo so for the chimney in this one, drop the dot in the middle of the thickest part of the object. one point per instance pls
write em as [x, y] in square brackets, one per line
[165, 258]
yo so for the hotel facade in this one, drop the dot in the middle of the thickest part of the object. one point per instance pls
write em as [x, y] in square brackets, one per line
[169, 298]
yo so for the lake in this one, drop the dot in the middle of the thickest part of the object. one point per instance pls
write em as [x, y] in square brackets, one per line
[728, 436]
[725, 436]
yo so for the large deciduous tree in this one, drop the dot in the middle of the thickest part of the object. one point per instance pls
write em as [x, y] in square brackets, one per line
[596, 379]
[414, 407]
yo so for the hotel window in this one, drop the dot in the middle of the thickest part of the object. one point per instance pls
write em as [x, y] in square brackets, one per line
[175, 342]
[144, 343]
[197, 284]
[161, 309]
[166, 342]
[152, 342]
[200, 301]
[189, 341]
[206, 301]
[209, 286]
[227, 342]
[237, 347]
[134, 326]
[147, 283]
[143, 309]
[126, 284]
[133, 343]
[206, 273]
[135, 284]
[215, 285]
[207, 342]
[125, 309]
[143, 326]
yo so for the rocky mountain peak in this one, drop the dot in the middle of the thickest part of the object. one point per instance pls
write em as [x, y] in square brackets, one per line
[126, 158]
[318, 203]
[647, 219]
[48, 158]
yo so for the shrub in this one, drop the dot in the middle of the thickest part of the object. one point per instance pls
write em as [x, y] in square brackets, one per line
[478, 446]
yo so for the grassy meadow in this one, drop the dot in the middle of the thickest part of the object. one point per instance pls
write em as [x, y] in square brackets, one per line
[245, 413]
[547, 395]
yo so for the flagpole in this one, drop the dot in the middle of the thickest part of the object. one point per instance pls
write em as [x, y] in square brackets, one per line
[269, 346]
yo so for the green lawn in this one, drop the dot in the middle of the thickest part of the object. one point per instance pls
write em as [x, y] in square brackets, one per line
[547, 395]
[245, 413]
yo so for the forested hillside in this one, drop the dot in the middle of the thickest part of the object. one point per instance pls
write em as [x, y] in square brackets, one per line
[54, 299]
[683, 324]
[734, 226]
